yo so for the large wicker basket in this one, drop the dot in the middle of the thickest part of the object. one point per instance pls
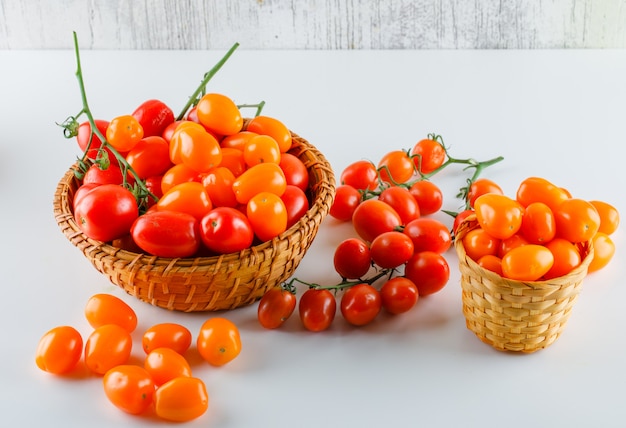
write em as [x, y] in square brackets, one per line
[207, 283]
[515, 315]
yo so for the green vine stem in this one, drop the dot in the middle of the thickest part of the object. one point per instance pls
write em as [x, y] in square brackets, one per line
[345, 283]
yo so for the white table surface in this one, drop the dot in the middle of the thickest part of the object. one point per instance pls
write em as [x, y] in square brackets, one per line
[556, 114]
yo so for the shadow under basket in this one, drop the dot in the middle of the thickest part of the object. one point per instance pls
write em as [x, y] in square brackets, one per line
[523, 316]
[207, 283]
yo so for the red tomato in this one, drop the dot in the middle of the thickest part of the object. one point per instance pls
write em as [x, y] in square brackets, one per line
[166, 335]
[81, 192]
[402, 201]
[153, 184]
[105, 308]
[190, 198]
[107, 346]
[361, 175]
[149, 157]
[428, 196]
[130, 388]
[317, 309]
[59, 350]
[273, 127]
[111, 175]
[352, 258]
[123, 133]
[481, 187]
[396, 167]
[296, 203]
[360, 304]
[82, 138]
[373, 217]
[264, 177]
[391, 249]
[267, 214]
[428, 155]
[218, 341]
[106, 212]
[219, 186]
[538, 224]
[167, 234]
[429, 271]
[165, 364]
[459, 218]
[181, 399]
[576, 220]
[153, 116]
[498, 215]
[275, 307]
[347, 198]
[428, 234]
[226, 230]
[566, 257]
[295, 171]
[527, 263]
[398, 295]
[220, 114]
[609, 217]
[169, 130]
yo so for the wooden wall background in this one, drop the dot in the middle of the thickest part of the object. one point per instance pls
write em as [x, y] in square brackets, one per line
[313, 24]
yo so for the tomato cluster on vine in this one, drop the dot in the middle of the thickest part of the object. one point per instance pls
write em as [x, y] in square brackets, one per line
[539, 233]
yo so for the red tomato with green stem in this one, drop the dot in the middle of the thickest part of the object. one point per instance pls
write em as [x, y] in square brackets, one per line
[352, 258]
[130, 388]
[428, 196]
[361, 175]
[428, 154]
[459, 218]
[402, 201]
[111, 175]
[373, 217]
[360, 304]
[275, 307]
[150, 157]
[428, 234]
[59, 350]
[429, 271]
[396, 167]
[391, 249]
[226, 230]
[347, 198]
[153, 116]
[398, 295]
[317, 309]
[167, 233]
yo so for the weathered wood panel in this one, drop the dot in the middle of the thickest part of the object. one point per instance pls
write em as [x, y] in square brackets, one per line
[313, 24]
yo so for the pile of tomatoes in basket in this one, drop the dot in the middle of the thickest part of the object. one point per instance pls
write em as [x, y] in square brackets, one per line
[203, 185]
[164, 383]
[540, 234]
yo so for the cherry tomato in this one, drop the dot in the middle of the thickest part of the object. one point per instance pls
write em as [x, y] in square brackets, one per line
[150, 157]
[428, 196]
[428, 155]
[296, 203]
[261, 149]
[428, 234]
[609, 217]
[233, 160]
[491, 262]
[296, 173]
[165, 364]
[130, 388]
[153, 184]
[106, 212]
[105, 308]
[603, 251]
[402, 201]
[538, 224]
[478, 243]
[317, 309]
[219, 186]
[192, 115]
[396, 167]
[481, 187]
[176, 140]
[268, 215]
[237, 141]
[166, 335]
[167, 234]
[352, 258]
[398, 295]
[508, 244]
[347, 198]
[576, 220]
[81, 192]
[59, 350]
[373, 217]
[190, 198]
[537, 189]
[499, 215]
[391, 249]
[226, 230]
[106, 347]
[218, 341]
[220, 114]
[566, 257]
[96, 175]
[176, 175]
[124, 132]
[360, 304]
[82, 138]
[429, 271]
[459, 218]
[181, 399]
[527, 263]
[275, 307]
[361, 175]
[153, 116]
[169, 130]
[264, 177]
[273, 127]
[196, 148]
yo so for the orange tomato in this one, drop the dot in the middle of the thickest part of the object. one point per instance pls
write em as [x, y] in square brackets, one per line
[508, 244]
[123, 133]
[480, 187]
[218, 341]
[498, 215]
[478, 243]
[527, 263]
[538, 224]
[190, 198]
[219, 186]
[428, 155]
[233, 160]
[165, 364]
[106, 347]
[609, 217]
[537, 189]
[576, 220]
[104, 309]
[181, 399]
[267, 214]
[396, 167]
[603, 251]
[491, 262]
[195, 148]
[566, 257]
[129, 387]
[177, 174]
[264, 177]
[59, 350]
[261, 149]
[273, 127]
[219, 114]
[237, 141]
[175, 140]
[166, 335]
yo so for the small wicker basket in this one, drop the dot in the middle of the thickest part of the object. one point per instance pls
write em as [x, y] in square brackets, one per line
[207, 283]
[515, 315]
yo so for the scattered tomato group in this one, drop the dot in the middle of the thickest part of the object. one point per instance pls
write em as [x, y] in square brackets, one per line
[164, 382]
[203, 185]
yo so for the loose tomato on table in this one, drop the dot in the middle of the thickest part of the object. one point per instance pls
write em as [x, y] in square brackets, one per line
[105, 308]
[111, 175]
[402, 201]
[181, 399]
[130, 388]
[360, 304]
[347, 198]
[391, 249]
[84, 135]
[59, 350]
[317, 309]
[275, 307]
[267, 125]
[166, 335]
[153, 116]
[398, 295]
[428, 154]
[428, 234]
[220, 114]
[352, 258]
[428, 196]
[165, 364]
[361, 175]
[396, 167]
[226, 230]
[429, 271]
[167, 233]
[106, 347]
[373, 217]
[218, 341]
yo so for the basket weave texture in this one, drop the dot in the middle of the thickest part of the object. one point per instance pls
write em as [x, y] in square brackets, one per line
[516, 315]
[207, 283]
